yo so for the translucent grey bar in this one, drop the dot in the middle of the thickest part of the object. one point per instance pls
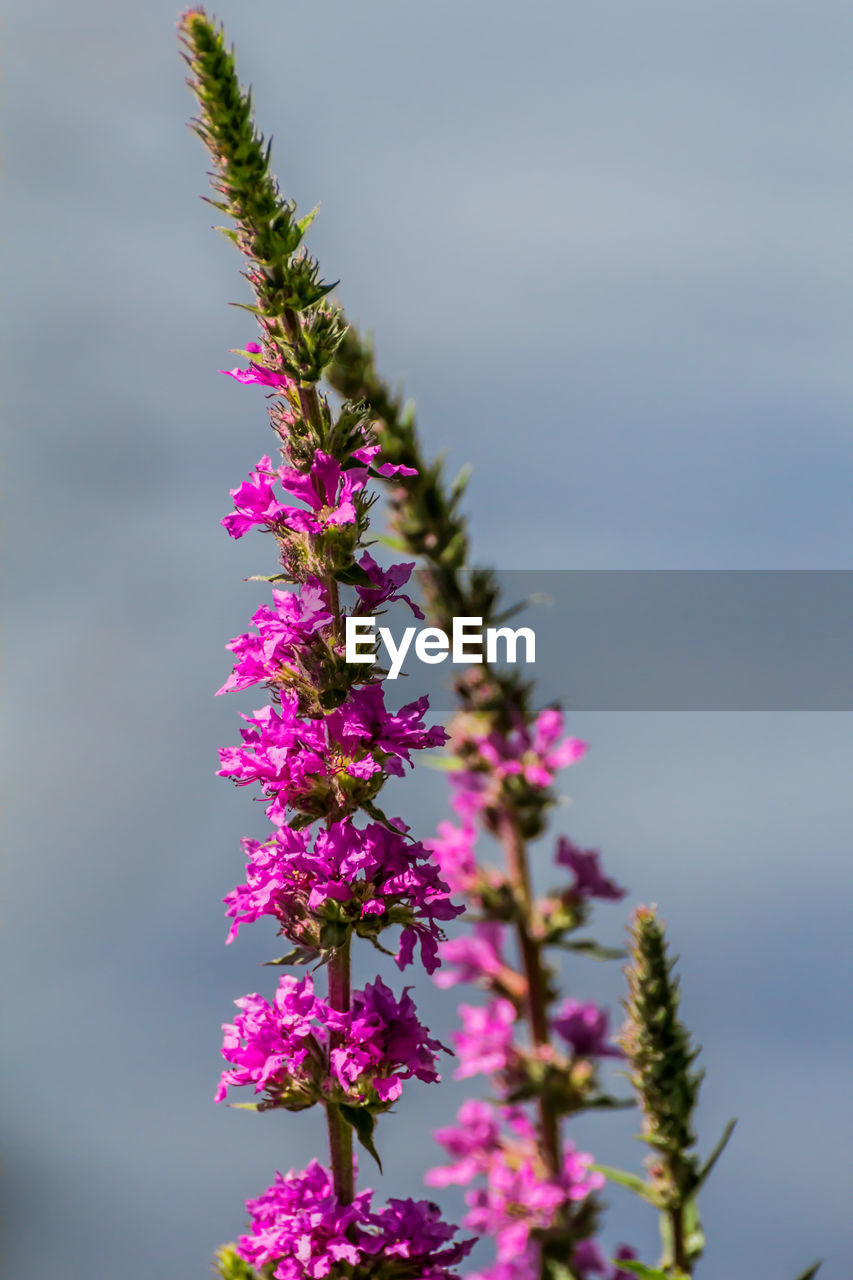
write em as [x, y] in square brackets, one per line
[673, 640]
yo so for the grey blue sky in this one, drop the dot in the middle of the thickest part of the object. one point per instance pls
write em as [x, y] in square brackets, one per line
[607, 246]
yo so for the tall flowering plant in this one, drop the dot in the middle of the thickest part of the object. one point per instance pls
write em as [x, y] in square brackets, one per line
[333, 866]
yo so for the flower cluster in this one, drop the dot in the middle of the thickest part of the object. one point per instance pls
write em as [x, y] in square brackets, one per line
[301, 1229]
[322, 748]
[332, 866]
[538, 1201]
[520, 1202]
[285, 1048]
[365, 878]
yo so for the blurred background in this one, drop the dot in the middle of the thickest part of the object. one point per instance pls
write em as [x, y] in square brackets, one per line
[607, 246]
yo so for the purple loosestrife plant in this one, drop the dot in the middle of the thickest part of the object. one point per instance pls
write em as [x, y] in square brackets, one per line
[320, 750]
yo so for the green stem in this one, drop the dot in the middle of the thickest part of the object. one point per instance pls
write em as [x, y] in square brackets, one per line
[531, 957]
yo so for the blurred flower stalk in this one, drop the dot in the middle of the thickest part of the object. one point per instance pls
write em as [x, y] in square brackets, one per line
[321, 750]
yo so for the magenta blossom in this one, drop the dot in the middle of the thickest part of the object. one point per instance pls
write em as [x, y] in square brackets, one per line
[479, 956]
[385, 584]
[255, 502]
[485, 1043]
[299, 1227]
[500, 1145]
[454, 851]
[585, 1028]
[590, 880]
[383, 1041]
[282, 632]
[374, 876]
[364, 722]
[258, 372]
[387, 469]
[285, 1048]
[326, 491]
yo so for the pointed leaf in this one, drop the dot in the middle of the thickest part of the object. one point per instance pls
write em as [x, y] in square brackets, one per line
[632, 1181]
[604, 1102]
[363, 1124]
[299, 955]
[304, 223]
[589, 947]
[638, 1269]
[705, 1171]
[444, 764]
[810, 1272]
[354, 576]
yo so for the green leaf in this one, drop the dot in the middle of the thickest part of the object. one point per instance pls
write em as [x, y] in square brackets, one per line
[299, 955]
[604, 1102]
[230, 1266]
[396, 544]
[632, 1181]
[811, 1271]
[638, 1269]
[705, 1171]
[444, 764]
[273, 577]
[589, 947]
[304, 223]
[379, 815]
[363, 1123]
[354, 576]
[245, 1106]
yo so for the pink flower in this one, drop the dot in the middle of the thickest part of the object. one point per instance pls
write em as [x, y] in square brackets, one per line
[258, 372]
[282, 633]
[327, 492]
[388, 469]
[479, 956]
[299, 1228]
[584, 1027]
[485, 1041]
[386, 584]
[454, 851]
[255, 501]
[590, 880]
[285, 1048]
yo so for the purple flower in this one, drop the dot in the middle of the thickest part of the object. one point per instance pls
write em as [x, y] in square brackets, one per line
[365, 723]
[479, 956]
[386, 584]
[258, 372]
[500, 1145]
[590, 880]
[588, 1259]
[299, 1227]
[485, 1043]
[454, 850]
[282, 632]
[383, 1042]
[274, 1046]
[328, 493]
[284, 1049]
[374, 875]
[255, 501]
[388, 469]
[585, 1028]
